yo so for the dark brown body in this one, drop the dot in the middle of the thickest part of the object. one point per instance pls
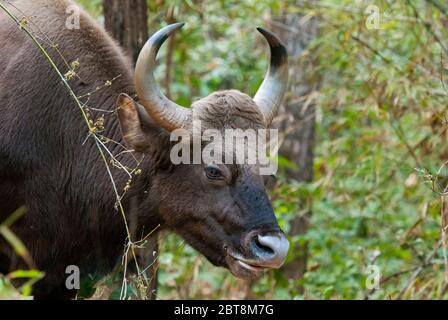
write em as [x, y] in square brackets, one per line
[70, 215]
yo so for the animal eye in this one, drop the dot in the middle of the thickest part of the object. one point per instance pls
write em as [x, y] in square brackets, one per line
[213, 173]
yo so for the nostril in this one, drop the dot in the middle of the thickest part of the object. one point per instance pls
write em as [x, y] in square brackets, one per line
[274, 245]
[268, 250]
[265, 248]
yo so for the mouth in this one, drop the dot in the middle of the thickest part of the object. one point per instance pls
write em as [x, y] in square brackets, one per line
[243, 268]
[249, 266]
[255, 254]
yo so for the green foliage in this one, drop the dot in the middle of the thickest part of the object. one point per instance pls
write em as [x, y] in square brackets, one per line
[382, 108]
[94, 7]
[26, 278]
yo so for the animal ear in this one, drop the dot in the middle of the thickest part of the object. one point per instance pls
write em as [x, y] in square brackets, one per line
[139, 131]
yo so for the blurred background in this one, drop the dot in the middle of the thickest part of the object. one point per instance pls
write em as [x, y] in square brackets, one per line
[362, 181]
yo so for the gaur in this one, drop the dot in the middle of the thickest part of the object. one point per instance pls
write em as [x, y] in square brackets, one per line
[50, 166]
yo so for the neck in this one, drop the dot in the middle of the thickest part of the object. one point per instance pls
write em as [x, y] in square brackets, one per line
[140, 205]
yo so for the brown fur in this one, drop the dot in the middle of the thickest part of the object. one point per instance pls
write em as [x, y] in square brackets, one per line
[44, 165]
[228, 109]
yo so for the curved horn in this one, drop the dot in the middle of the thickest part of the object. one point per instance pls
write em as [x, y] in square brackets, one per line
[270, 94]
[165, 112]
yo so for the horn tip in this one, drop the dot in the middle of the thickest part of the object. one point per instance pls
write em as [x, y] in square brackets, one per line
[279, 55]
[160, 36]
[270, 37]
[173, 27]
[178, 25]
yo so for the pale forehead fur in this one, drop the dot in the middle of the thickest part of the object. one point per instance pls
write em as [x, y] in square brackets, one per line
[228, 109]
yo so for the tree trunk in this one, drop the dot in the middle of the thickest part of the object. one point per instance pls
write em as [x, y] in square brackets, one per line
[127, 21]
[297, 121]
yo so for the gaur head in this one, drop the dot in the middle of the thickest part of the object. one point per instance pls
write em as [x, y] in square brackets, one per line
[222, 210]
